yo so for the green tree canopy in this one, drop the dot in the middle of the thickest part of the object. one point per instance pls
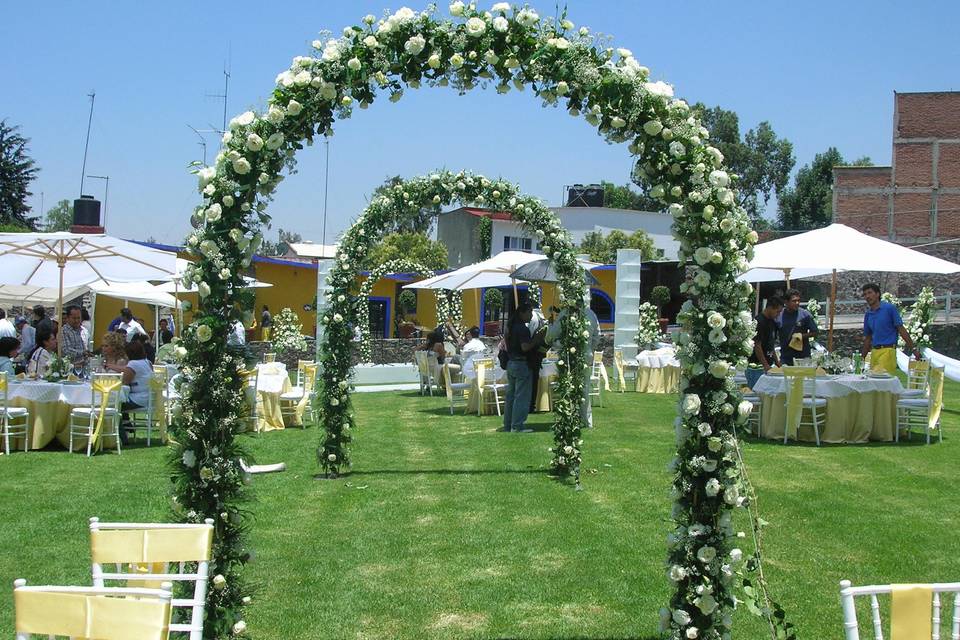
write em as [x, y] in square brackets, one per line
[808, 204]
[17, 171]
[603, 248]
[415, 247]
[282, 245]
[624, 197]
[59, 217]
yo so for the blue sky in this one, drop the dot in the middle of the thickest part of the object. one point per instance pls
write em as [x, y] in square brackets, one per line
[823, 73]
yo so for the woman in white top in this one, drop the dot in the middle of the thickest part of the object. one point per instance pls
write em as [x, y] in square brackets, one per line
[44, 351]
[136, 374]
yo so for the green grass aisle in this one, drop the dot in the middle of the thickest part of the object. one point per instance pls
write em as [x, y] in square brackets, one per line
[448, 529]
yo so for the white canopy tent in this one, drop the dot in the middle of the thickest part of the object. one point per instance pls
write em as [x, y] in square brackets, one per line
[840, 248]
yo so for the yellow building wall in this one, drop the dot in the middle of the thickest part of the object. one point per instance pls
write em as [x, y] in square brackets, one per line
[426, 313]
[294, 286]
[107, 309]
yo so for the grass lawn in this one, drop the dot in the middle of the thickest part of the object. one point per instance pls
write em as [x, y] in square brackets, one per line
[449, 529]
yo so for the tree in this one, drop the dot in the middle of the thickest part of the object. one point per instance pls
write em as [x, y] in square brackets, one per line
[59, 217]
[808, 204]
[417, 221]
[626, 198]
[17, 171]
[603, 249]
[415, 247]
[762, 160]
[282, 245]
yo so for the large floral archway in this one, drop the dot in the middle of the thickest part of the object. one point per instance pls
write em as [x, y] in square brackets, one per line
[363, 305]
[438, 190]
[511, 48]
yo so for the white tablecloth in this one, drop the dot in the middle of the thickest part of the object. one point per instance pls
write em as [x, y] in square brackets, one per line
[831, 386]
[77, 393]
[272, 377]
[655, 358]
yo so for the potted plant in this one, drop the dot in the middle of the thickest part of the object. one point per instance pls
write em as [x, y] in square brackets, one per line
[661, 296]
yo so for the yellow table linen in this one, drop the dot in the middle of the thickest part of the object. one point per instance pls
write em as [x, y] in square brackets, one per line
[853, 418]
[268, 408]
[49, 421]
[544, 395]
[911, 609]
[658, 379]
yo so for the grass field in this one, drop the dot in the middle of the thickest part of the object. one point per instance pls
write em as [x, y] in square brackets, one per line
[448, 529]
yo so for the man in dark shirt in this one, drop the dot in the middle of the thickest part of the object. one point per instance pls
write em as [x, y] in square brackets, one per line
[765, 341]
[794, 320]
[519, 344]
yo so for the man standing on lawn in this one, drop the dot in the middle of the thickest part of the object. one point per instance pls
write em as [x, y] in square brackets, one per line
[797, 327]
[765, 341]
[881, 326]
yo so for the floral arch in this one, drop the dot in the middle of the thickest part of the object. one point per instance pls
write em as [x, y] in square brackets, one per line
[363, 307]
[511, 48]
[435, 191]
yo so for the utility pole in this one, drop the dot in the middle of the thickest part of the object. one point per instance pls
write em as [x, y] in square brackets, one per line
[83, 171]
[326, 184]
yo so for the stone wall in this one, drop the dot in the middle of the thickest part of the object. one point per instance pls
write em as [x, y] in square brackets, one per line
[945, 338]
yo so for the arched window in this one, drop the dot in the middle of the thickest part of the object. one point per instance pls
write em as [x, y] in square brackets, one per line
[602, 305]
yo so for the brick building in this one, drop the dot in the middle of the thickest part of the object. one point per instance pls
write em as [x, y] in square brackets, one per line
[916, 200]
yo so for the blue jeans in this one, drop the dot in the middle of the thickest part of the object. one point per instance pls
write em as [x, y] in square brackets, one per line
[517, 404]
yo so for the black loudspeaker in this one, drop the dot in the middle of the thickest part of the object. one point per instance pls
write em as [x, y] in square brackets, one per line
[86, 211]
[585, 196]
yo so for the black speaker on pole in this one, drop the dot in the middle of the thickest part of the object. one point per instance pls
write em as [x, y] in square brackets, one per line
[86, 211]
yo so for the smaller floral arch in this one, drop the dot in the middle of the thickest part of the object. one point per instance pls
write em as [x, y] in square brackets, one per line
[450, 307]
[400, 265]
[437, 190]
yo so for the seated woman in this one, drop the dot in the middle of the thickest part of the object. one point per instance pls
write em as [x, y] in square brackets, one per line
[136, 372]
[434, 343]
[113, 347]
[43, 352]
[9, 348]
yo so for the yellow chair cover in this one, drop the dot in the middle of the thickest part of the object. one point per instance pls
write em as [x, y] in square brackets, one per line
[309, 380]
[84, 616]
[795, 377]
[105, 386]
[618, 364]
[936, 396]
[142, 546]
[911, 609]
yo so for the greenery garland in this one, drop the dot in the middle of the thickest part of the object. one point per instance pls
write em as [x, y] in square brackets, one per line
[485, 236]
[363, 298]
[512, 48]
[287, 334]
[450, 307]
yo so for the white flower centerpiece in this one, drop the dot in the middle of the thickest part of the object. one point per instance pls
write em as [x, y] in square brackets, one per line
[649, 332]
[287, 334]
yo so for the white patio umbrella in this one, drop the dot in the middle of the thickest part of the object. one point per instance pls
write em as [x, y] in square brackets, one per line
[492, 272]
[840, 248]
[70, 259]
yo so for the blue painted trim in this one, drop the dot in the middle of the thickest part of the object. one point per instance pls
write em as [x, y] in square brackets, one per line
[613, 309]
[387, 320]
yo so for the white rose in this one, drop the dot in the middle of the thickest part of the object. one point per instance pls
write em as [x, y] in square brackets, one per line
[219, 581]
[415, 45]
[332, 457]
[328, 91]
[681, 617]
[691, 404]
[702, 255]
[731, 495]
[726, 225]
[244, 119]
[189, 458]
[476, 26]
[752, 237]
[677, 149]
[254, 142]
[652, 127]
[213, 212]
[501, 24]
[371, 42]
[716, 320]
[528, 17]
[617, 122]
[500, 6]
[719, 369]
[275, 141]
[706, 554]
[203, 289]
[659, 88]
[677, 573]
[209, 190]
[704, 429]
[560, 43]
[206, 175]
[719, 178]
[692, 633]
[294, 108]
[456, 8]
[745, 408]
[456, 61]
[239, 627]
[302, 78]
[714, 444]
[433, 61]
[331, 52]
[712, 487]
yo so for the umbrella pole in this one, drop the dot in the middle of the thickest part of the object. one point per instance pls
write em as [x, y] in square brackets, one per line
[61, 265]
[833, 305]
[476, 302]
[786, 276]
[756, 303]
[516, 297]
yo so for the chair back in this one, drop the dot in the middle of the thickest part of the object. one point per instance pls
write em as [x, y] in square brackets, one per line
[158, 385]
[917, 372]
[914, 610]
[936, 396]
[450, 348]
[447, 382]
[142, 555]
[269, 357]
[301, 365]
[92, 612]
[597, 362]
[795, 378]
[423, 365]
[4, 387]
[485, 370]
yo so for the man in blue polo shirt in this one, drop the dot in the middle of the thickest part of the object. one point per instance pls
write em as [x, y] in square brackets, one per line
[881, 326]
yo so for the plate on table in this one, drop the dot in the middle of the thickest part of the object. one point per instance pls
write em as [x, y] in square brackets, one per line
[774, 373]
[71, 383]
[882, 375]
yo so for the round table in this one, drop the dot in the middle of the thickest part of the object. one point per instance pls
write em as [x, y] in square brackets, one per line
[49, 404]
[544, 400]
[658, 370]
[860, 408]
[272, 381]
